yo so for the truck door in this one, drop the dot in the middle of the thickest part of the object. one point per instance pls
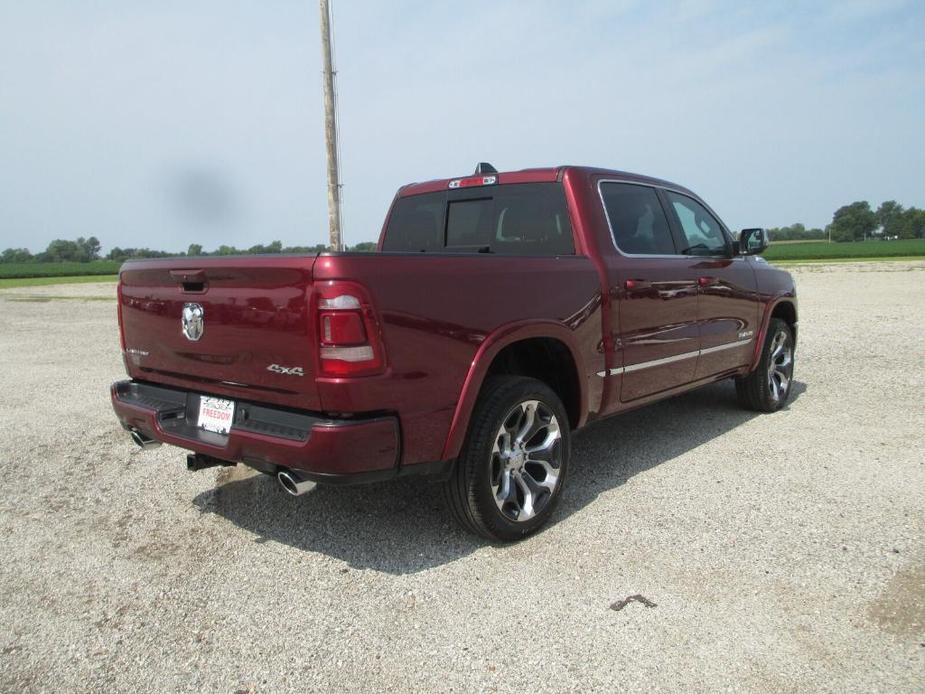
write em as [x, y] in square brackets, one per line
[728, 308]
[656, 340]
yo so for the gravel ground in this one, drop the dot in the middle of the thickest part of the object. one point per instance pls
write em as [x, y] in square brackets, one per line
[781, 552]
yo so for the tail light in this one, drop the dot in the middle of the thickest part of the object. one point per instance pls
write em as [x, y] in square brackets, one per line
[119, 315]
[348, 332]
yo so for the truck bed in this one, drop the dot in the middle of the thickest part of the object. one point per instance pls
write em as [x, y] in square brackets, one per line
[258, 313]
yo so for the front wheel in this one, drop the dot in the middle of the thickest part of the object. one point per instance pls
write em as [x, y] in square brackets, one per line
[767, 388]
[510, 473]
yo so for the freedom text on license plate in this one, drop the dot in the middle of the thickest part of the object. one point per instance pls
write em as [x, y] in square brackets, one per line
[215, 414]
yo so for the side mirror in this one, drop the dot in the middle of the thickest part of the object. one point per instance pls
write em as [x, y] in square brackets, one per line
[753, 241]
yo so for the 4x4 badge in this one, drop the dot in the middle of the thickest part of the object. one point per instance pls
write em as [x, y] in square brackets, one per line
[286, 370]
[192, 321]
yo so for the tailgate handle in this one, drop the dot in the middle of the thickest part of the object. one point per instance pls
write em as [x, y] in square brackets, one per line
[188, 275]
[190, 280]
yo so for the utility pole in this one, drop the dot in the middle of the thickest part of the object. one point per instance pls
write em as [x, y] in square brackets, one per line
[330, 129]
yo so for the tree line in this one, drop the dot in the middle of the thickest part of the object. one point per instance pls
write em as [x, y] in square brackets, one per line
[858, 222]
[86, 250]
[80, 251]
[796, 232]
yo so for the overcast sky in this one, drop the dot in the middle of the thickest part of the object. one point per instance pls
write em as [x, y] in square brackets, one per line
[167, 123]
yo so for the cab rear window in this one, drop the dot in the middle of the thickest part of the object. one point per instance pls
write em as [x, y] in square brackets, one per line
[513, 219]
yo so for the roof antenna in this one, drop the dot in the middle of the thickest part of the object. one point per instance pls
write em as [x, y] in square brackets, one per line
[484, 167]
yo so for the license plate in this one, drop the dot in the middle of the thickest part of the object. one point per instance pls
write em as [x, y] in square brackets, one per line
[215, 414]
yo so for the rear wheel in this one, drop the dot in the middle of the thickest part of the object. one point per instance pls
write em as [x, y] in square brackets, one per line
[767, 388]
[512, 467]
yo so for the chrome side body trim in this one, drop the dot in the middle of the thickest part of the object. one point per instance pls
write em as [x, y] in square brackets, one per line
[728, 345]
[668, 360]
[660, 362]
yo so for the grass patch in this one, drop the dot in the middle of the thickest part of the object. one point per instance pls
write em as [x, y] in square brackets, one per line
[857, 250]
[96, 268]
[45, 281]
[45, 298]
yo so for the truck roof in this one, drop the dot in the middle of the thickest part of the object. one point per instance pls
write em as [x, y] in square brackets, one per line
[536, 175]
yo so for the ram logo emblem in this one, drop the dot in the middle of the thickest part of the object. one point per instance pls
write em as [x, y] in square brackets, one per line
[192, 321]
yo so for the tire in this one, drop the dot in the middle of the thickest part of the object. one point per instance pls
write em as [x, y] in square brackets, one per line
[767, 388]
[509, 475]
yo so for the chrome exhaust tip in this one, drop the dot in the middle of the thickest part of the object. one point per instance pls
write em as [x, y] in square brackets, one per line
[293, 482]
[143, 441]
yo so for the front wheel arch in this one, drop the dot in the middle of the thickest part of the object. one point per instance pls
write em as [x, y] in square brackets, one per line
[769, 385]
[783, 308]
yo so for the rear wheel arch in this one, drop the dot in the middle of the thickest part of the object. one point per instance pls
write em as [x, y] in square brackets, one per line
[538, 350]
[548, 360]
[513, 464]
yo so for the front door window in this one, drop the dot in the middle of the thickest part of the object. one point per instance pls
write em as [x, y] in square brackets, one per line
[701, 233]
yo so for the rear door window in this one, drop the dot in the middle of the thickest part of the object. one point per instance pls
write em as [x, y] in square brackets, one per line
[637, 221]
[701, 231]
[531, 219]
[513, 219]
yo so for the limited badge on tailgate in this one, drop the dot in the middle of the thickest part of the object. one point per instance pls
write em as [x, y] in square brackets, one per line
[215, 414]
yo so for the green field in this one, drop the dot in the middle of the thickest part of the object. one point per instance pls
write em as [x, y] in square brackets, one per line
[857, 250]
[97, 267]
[37, 274]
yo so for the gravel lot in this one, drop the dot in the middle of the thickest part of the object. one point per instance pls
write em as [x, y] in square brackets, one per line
[782, 552]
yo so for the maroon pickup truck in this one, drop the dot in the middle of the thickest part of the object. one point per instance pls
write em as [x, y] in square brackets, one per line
[501, 312]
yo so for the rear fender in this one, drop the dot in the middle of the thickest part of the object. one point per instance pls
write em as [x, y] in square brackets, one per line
[492, 345]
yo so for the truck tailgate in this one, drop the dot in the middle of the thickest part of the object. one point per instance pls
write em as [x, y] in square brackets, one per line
[256, 340]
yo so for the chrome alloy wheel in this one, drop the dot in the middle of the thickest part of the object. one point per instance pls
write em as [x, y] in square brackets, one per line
[780, 366]
[526, 460]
